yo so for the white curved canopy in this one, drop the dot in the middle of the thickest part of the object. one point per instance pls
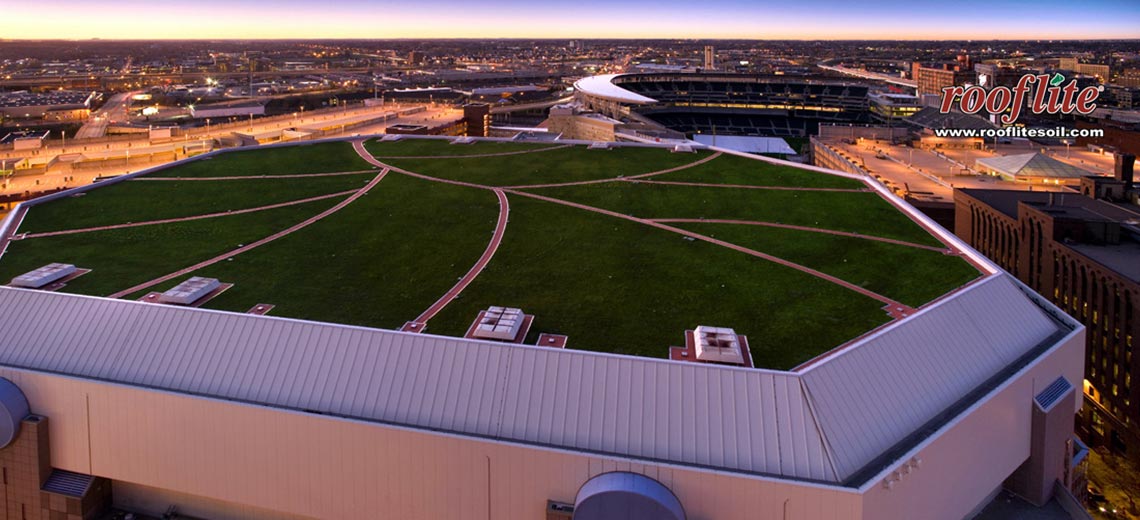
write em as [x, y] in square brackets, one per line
[603, 87]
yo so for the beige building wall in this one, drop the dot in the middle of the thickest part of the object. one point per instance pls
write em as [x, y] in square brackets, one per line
[229, 460]
[582, 127]
[975, 454]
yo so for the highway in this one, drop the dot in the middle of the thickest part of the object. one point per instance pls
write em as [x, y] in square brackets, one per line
[503, 109]
[894, 80]
[115, 109]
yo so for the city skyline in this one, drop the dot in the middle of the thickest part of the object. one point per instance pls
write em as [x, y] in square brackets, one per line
[717, 19]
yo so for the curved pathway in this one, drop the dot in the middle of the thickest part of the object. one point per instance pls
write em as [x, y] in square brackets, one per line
[889, 303]
[311, 220]
[185, 219]
[614, 179]
[249, 177]
[359, 147]
[472, 156]
[488, 253]
[492, 246]
[722, 243]
[942, 250]
[749, 186]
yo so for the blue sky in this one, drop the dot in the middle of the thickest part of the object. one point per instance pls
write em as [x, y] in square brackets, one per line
[757, 19]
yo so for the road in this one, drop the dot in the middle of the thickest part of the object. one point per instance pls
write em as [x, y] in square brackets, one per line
[894, 80]
[115, 109]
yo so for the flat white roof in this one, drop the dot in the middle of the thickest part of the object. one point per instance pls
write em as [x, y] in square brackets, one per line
[746, 144]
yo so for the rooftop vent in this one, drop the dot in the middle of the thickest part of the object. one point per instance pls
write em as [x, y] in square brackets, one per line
[1052, 393]
[501, 323]
[718, 345]
[68, 483]
[43, 276]
[190, 291]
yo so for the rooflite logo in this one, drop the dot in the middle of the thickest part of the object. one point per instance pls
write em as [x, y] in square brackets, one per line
[1049, 97]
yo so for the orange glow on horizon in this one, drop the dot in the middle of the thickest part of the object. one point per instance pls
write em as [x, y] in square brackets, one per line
[152, 21]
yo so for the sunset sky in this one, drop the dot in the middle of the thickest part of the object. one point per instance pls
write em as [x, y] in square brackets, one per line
[745, 19]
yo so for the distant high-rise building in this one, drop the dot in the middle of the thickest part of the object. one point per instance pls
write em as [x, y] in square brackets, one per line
[1088, 69]
[932, 79]
[710, 57]
[415, 58]
[1129, 78]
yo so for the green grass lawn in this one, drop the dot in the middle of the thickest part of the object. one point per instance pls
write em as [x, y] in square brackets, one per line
[122, 258]
[865, 213]
[141, 200]
[287, 160]
[610, 284]
[617, 286]
[909, 275]
[379, 262]
[732, 169]
[421, 147]
[563, 165]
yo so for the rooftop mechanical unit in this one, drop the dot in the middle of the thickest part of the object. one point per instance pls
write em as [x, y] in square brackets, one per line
[43, 276]
[718, 345]
[502, 323]
[190, 291]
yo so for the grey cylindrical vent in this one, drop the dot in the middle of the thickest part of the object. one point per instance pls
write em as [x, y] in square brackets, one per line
[13, 409]
[626, 496]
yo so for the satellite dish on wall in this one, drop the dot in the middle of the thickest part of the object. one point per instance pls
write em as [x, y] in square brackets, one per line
[13, 409]
[622, 495]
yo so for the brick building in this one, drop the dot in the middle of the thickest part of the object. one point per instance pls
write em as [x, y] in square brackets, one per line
[1081, 250]
[931, 79]
[1101, 71]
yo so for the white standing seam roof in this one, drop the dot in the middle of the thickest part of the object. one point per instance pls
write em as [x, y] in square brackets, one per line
[603, 86]
[821, 425]
[868, 399]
